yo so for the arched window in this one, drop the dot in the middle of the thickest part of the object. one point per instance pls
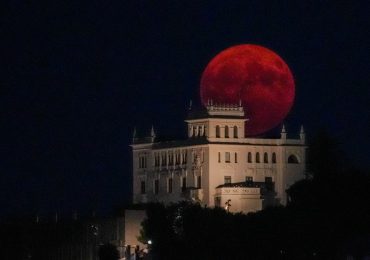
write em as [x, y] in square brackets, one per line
[249, 157]
[257, 157]
[292, 159]
[235, 132]
[273, 158]
[265, 158]
[218, 131]
[226, 132]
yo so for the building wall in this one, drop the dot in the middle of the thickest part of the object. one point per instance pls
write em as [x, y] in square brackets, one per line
[240, 199]
[203, 159]
[133, 219]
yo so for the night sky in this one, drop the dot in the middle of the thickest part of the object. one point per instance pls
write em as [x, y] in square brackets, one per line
[76, 77]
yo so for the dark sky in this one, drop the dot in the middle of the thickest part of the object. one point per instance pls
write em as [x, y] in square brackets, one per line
[76, 77]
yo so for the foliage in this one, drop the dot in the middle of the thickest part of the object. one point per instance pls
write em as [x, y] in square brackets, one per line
[108, 252]
[327, 218]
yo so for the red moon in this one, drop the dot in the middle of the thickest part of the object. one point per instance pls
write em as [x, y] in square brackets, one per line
[255, 75]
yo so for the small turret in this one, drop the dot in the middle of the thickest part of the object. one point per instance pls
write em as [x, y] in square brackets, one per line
[283, 133]
[302, 134]
[134, 135]
[152, 134]
[190, 104]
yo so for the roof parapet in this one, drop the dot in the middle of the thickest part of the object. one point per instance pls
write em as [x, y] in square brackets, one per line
[224, 109]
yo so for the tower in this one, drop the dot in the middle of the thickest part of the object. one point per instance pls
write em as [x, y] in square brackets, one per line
[218, 163]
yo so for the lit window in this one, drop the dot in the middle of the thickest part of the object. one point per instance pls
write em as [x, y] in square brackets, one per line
[265, 158]
[235, 132]
[227, 179]
[249, 157]
[257, 157]
[227, 157]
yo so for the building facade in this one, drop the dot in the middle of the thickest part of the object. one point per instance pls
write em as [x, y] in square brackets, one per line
[217, 165]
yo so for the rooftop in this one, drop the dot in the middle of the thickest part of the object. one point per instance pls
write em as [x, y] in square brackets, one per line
[217, 110]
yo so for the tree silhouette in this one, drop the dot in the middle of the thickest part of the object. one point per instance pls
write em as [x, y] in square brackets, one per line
[108, 252]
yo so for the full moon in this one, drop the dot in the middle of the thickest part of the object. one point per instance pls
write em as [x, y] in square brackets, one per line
[255, 75]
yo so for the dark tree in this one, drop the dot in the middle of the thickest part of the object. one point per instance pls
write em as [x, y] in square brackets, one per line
[327, 215]
[108, 252]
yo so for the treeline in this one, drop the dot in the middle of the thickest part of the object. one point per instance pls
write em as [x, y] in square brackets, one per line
[328, 217]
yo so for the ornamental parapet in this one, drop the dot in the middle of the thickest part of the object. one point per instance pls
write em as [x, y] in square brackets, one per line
[238, 191]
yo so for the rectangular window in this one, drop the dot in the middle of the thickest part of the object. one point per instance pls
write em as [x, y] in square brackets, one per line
[156, 160]
[227, 157]
[156, 186]
[164, 160]
[227, 179]
[268, 179]
[142, 161]
[183, 184]
[248, 178]
[269, 184]
[219, 157]
[142, 187]
[185, 157]
[170, 182]
[199, 182]
[236, 157]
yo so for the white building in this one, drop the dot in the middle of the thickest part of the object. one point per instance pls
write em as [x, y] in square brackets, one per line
[217, 165]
